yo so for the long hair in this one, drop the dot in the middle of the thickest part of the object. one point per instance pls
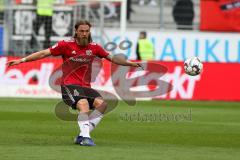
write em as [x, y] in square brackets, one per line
[83, 22]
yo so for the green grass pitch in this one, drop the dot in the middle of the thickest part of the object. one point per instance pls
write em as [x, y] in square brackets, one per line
[29, 129]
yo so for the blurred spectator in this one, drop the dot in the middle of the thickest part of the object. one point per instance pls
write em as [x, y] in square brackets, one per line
[183, 14]
[44, 16]
[129, 9]
[145, 48]
[151, 2]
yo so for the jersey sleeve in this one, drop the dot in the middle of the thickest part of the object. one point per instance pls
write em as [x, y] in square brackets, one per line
[58, 49]
[101, 52]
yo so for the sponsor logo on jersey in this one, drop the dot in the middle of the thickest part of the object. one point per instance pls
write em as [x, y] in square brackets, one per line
[79, 59]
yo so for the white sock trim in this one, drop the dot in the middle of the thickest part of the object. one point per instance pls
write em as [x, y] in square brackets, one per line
[84, 125]
[94, 119]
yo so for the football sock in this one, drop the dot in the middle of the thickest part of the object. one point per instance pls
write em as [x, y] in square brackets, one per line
[83, 122]
[94, 118]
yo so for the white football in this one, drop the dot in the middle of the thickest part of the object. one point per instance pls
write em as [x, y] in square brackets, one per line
[193, 66]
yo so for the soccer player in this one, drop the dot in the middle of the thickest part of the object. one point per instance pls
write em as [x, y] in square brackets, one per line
[75, 85]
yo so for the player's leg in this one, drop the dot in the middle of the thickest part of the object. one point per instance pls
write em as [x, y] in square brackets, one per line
[80, 103]
[83, 122]
[96, 116]
[97, 104]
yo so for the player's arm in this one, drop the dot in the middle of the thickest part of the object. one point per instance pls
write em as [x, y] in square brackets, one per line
[120, 60]
[32, 57]
[117, 59]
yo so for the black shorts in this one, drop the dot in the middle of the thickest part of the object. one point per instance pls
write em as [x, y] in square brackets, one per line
[71, 94]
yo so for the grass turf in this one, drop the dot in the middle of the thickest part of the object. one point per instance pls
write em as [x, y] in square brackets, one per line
[30, 130]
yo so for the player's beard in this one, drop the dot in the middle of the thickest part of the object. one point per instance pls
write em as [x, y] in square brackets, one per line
[83, 41]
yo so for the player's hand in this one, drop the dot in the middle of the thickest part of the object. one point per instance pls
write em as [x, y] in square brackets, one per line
[14, 62]
[134, 64]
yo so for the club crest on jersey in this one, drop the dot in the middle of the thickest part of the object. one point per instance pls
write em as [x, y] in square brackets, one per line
[88, 52]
